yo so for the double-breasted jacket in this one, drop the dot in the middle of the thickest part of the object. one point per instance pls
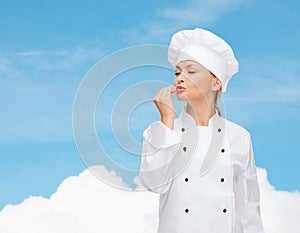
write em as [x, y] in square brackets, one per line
[205, 175]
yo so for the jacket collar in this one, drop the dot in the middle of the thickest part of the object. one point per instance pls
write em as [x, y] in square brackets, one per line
[187, 119]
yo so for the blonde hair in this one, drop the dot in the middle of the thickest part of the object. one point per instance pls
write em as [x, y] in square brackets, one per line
[218, 94]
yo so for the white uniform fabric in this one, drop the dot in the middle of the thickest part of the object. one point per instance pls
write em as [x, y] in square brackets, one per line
[223, 199]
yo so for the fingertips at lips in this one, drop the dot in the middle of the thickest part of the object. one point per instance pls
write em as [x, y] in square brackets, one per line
[173, 89]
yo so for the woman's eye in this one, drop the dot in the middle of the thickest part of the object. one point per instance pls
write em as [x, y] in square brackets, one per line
[191, 72]
[177, 73]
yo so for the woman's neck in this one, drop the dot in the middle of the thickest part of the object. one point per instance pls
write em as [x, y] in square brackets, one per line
[200, 113]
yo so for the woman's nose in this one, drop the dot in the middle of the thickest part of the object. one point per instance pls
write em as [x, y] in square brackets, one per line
[179, 80]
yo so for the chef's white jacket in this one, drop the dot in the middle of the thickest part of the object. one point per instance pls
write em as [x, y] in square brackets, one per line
[205, 175]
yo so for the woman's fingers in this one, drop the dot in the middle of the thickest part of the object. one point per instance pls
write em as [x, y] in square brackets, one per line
[163, 101]
[163, 96]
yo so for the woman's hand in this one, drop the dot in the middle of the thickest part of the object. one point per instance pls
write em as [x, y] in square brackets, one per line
[164, 104]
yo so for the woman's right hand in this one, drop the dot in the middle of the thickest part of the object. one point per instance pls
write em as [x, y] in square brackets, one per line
[164, 104]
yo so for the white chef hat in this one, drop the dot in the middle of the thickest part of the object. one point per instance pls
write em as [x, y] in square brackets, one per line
[206, 48]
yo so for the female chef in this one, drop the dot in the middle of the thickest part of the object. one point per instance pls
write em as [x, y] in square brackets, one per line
[200, 163]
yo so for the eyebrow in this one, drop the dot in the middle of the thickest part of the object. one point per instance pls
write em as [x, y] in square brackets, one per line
[185, 66]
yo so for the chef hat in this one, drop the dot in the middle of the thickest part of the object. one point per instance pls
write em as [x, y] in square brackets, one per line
[206, 48]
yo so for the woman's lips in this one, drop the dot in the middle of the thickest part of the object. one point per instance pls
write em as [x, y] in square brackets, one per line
[180, 88]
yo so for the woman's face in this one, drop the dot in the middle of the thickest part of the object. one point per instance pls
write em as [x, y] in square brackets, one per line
[194, 82]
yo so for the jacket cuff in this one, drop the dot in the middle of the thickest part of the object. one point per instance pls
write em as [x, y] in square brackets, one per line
[161, 136]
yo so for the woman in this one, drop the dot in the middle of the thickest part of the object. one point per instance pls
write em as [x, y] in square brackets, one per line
[201, 164]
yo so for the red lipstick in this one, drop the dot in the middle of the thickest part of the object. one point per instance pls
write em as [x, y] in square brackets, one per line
[180, 88]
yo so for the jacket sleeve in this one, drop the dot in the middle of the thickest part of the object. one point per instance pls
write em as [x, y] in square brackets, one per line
[160, 145]
[248, 195]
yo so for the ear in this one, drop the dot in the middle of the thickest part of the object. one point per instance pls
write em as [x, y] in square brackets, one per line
[216, 84]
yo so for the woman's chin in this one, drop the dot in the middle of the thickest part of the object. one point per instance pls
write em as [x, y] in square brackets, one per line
[181, 98]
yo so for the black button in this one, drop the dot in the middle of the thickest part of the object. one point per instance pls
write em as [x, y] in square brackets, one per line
[186, 210]
[184, 149]
[219, 130]
[224, 210]
[186, 179]
[182, 129]
[223, 150]
[222, 179]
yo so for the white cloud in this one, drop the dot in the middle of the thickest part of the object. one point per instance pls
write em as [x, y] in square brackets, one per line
[42, 85]
[280, 209]
[7, 69]
[83, 204]
[61, 52]
[4, 64]
[266, 79]
[200, 11]
[193, 13]
[60, 59]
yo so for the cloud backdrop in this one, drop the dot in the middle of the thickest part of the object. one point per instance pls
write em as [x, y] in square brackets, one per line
[84, 204]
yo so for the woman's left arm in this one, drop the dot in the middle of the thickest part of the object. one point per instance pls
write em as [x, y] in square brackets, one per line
[248, 195]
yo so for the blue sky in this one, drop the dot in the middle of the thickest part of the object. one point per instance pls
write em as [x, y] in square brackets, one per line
[47, 47]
